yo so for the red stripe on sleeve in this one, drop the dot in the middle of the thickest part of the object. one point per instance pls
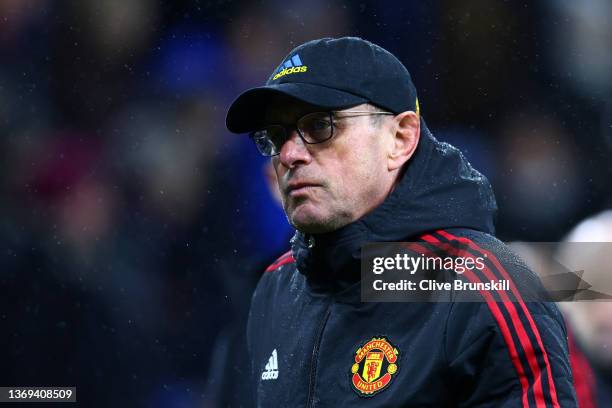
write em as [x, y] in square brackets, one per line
[503, 326]
[528, 347]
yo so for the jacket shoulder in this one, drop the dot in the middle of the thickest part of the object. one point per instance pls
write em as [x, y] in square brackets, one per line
[275, 278]
[484, 244]
[284, 259]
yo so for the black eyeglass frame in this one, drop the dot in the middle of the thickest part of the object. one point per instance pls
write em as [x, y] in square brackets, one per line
[332, 115]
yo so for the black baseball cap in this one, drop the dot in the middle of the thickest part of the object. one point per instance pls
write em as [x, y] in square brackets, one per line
[333, 74]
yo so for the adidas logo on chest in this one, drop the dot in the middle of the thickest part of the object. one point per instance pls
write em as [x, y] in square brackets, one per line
[271, 370]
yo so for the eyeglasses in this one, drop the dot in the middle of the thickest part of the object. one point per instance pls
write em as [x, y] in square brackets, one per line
[312, 128]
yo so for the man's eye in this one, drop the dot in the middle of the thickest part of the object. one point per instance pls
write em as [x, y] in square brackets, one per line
[320, 124]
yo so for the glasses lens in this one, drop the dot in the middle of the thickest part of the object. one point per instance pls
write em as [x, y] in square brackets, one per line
[269, 140]
[316, 127]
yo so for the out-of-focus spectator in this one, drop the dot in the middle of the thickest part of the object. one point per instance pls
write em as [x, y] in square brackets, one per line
[539, 171]
[592, 321]
[260, 36]
[580, 45]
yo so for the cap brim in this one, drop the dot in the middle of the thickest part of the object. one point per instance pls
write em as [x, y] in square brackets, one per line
[248, 111]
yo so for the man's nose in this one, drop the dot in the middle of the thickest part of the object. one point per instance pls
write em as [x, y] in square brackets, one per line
[294, 151]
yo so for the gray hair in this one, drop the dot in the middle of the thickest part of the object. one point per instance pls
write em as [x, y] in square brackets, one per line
[376, 120]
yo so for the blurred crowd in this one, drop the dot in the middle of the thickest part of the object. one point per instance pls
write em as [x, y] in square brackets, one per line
[134, 226]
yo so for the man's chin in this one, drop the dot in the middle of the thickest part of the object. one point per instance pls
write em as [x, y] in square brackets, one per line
[309, 222]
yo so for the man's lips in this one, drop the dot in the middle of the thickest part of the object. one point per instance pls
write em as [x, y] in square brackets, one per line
[300, 187]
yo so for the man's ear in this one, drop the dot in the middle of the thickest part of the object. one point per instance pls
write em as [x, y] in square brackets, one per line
[406, 132]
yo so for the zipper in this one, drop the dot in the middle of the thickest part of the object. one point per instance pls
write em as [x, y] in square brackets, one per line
[315, 357]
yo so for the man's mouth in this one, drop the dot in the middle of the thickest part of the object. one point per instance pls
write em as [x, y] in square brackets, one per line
[301, 187]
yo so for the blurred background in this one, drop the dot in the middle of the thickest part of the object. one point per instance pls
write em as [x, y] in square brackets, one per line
[133, 226]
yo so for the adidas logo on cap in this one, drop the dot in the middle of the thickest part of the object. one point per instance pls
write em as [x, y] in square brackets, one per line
[291, 66]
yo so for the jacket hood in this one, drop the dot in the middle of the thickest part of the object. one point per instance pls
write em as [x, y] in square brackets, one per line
[438, 190]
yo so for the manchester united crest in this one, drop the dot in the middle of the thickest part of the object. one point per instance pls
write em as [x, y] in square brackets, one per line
[376, 363]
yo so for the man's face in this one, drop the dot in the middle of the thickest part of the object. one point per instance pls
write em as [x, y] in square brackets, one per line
[328, 185]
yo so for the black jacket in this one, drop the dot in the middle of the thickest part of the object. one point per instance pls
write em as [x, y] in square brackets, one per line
[309, 334]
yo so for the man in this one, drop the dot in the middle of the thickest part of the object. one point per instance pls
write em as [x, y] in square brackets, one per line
[356, 164]
[587, 248]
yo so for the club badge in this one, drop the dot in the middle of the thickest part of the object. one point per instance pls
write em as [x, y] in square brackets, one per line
[376, 363]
